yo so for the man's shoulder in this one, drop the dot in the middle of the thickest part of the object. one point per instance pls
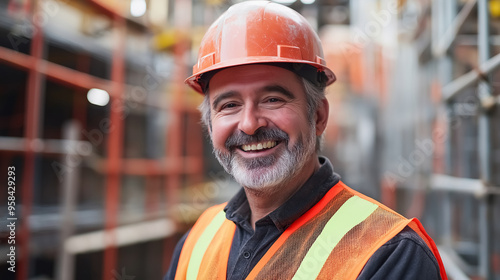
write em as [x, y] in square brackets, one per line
[406, 256]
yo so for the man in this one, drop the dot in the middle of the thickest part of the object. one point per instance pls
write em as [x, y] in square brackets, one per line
[262, 72]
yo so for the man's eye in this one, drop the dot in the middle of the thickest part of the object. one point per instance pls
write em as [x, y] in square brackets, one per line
[274, 100]
[228, 106]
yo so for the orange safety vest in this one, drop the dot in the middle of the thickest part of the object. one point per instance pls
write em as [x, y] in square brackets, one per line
[332, 240]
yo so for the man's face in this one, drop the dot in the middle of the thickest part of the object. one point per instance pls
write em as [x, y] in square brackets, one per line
[260, 128]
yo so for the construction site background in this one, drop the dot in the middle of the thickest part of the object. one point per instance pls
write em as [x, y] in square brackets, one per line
[104, 164]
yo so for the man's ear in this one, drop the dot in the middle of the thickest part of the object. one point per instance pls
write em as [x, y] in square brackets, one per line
[322, 116]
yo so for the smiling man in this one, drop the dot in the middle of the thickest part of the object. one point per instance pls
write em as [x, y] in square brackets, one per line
[262, 72]
[262, 133]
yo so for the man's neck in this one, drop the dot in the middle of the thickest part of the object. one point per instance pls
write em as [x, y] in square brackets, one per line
[264, 201]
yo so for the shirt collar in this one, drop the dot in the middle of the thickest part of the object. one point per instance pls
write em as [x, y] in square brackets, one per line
[238, 209]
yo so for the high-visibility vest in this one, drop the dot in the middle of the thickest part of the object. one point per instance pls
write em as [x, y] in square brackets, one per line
[332, 240]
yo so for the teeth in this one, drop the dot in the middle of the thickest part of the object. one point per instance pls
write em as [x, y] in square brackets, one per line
[259, 146]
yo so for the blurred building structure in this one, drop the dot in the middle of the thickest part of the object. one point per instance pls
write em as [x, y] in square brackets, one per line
[105, 189]
[417, 112]
[93, 181]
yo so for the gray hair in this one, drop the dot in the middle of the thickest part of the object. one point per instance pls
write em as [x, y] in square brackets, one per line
[314, 95]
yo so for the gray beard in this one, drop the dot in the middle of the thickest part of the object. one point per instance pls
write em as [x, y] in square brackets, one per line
[269, 171]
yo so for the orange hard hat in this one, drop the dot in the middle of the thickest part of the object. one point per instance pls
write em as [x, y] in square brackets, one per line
[260, 32]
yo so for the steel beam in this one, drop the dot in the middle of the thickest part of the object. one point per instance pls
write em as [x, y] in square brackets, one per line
[114, 147]
[453, 263]
[53, 71]
[74, 78]
[484, 147]
[169, 166]
[123, 236]
[451, 89]
[31, 132]
[186, 165]
[457, 184]
[176, 138]
[476, 187]
[445, 41]
[65, 261]
[45, 146]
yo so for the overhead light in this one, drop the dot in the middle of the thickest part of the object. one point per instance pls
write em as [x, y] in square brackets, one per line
[306, 2]
[137, 8]
[98, 97]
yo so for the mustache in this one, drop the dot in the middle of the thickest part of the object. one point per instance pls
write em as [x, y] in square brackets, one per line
[262, 134]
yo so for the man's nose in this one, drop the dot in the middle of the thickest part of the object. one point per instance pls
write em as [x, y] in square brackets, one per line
[251, 120]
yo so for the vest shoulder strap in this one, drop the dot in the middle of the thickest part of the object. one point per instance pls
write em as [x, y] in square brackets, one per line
[333, 240]
[200, 245]
[414, 224]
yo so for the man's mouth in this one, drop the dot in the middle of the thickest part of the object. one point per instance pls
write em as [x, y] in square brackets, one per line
[259, 146]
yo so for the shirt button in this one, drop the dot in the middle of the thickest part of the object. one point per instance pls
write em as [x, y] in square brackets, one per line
[246, 254]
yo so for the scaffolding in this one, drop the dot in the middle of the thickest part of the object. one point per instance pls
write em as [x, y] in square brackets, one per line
[425, 72]
[463, 132]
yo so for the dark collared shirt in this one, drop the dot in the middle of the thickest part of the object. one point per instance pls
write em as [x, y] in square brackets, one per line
[403, 257]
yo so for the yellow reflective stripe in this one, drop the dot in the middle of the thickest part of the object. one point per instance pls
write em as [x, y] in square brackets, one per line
[202, 244]
[351, 213]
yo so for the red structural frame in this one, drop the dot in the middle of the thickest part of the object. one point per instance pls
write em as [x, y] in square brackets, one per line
[172, 166]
